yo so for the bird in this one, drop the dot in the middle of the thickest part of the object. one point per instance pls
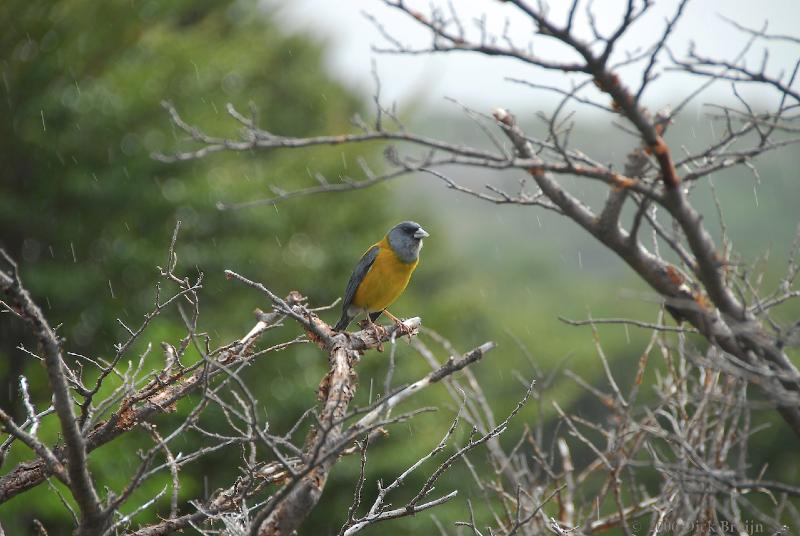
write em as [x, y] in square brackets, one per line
[382, 274]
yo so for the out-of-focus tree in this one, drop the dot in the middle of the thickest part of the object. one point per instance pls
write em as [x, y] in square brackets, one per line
[88, 211]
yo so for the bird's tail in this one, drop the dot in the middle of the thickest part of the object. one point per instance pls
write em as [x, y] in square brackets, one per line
[343, 322]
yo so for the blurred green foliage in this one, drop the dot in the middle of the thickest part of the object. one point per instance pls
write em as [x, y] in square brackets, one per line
[89, 215]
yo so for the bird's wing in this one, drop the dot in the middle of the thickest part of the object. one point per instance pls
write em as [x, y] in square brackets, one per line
[359, 272]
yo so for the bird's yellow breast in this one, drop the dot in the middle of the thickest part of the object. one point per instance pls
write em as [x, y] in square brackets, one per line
[385, 280]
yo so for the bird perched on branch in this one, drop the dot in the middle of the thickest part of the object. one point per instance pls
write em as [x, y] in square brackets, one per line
[382, 274]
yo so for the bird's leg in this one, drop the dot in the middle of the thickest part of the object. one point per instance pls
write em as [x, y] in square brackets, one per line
[376, 331]
[402, 328]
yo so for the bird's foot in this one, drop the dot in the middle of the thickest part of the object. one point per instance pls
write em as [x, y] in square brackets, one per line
[377, 331]
[401, 328]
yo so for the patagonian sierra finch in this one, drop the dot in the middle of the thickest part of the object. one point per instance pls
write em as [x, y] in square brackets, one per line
[382, 274]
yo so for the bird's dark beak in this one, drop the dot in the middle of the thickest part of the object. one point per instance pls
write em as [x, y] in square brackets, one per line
[421, 233]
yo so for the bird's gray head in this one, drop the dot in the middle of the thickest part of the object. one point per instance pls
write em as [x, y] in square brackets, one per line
[405, 238]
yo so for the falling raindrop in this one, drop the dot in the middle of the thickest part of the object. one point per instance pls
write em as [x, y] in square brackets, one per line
[627, 334]
[370, 391]
[44, 126]
[580, 260]
[755, 195]
[74, 257]
[111, 289]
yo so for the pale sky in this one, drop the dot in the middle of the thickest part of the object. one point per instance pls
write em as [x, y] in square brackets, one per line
[480, 82]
